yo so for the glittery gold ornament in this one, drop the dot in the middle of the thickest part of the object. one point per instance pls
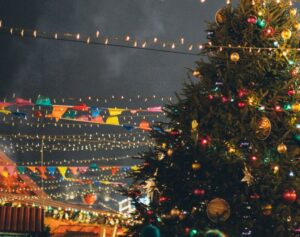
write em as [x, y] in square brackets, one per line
[286, 34]
[263, 128]
[293, 12]
[234, 57]
[218, 210]
[267, 209]
[175, 212]
[170, 152]
[196, 73]
[248, 178]
[296, 107]
[220, 17]
[194, 125]
[164, 145]
[281, 148]
[297, 26]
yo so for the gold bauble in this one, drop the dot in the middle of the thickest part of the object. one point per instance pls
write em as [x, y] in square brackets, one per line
[175, 212]
[219, 17]
[196, 73]
[297, 26]
[164, 145]
[261, 12]
[296, 107]
[170, 152]
[267, 209]
[281, 148]
[293, 12]
[196, 166]
[234, 57]
[160, 156]
[218, 210]
[286, 34]
[263, 128]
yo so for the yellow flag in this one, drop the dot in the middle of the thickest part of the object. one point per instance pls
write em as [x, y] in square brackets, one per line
[115, 111]
[113, 120]
[4, 111]
[62, 170]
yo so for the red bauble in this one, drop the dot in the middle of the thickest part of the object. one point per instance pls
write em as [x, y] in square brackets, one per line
[163, 199]
[89, 198]
[175, 132]
[252, 19]
[150, 212]
[269, 31]
[289, 196]
[199, 192]
[294, 72]
[291, 92]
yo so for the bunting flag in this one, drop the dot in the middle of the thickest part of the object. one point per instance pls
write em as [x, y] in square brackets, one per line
[57, 112]
[23, 102]
[115, 111]
[4, 111]
[81, 107]
[71, 114]
[114, 120]
[84, 117]
[128, 127]
[94, 166]
[3, 105]
[43, 101]
[31, 168]
[157, 109]
[42, 170]
[11, 169]
[114, 170]
[98, 119]
[51, 170]
[1, 168]
[74, 170]
[145, 125]
[95, 112]
[21, 169]
[19, 114]
[83, 169]
[62, 170]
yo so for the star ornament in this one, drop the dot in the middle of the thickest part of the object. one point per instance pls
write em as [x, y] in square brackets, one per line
[248, 178]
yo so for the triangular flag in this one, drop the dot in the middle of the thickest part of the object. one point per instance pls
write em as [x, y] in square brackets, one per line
[81, 107]
[23, 102]
[157, 109]
[31, 168]
[4, 111]
[94, 166]
[3, 105]
[1, 168]
[42, 170]
[73, 169]
[98, 119]
[128, 127]
[114, 120]
[83, 117]
[10, 169]
[95, 112]
[21, 169]
[114, 170]
[145, 125]
[19, 114]
[57, 112]
[62, 170]
[71, 114]
[115, 111]
[43, 101]
[51, 170]
[83, 169]
[133, 111]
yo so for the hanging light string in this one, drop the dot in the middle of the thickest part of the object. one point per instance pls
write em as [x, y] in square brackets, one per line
[168, 47]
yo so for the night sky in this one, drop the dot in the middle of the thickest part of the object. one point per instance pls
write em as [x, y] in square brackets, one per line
[32, 67]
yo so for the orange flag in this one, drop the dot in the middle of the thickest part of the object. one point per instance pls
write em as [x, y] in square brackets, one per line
[57, 112]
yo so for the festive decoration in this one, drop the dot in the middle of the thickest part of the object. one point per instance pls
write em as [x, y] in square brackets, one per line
[248, 178]
[150, 231]
[286, 34]
[263, 128]
[234, 57]
[196, 166]
[219, 17]
[289, 196]
[218, 210]
[199, 192]
[267, 209]
[175, 212]
[261, 23]
[281, 148]
[89, 198]
[269, 31]
[252, 19]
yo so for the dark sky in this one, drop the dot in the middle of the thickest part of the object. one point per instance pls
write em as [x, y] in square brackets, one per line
[30, 67]
[60, 69]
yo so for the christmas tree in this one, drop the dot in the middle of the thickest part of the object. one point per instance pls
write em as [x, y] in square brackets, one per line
[227, 161]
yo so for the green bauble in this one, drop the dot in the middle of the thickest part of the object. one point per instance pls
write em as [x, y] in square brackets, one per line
[261, 23]
[214, 233]
[150, 231]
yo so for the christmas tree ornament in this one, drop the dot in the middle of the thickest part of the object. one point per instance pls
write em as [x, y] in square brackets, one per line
[267, 209]
[252, 19]
[194, 125]
[261, 23]
[286, 34]
[160, 156]
[163, 199]
[296, 107]
[248, 178]
[150, 231]
[193, 233]
[175, 212]
[196, 166]
[214, 233]
[196, 73]
[164, 145]
[261, 12]
[275, 169]
[199, 192]
[89, 198]
[218, 210]
[281, 148]
[268, 32]
[289, 196]
[220, 17]
[234, 57]
[170, 152]
[263, 128]
[297, 26]
[293, 12]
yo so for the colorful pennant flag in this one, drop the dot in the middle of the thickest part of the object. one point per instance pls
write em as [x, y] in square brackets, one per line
[57, 112]
[62, 170]
[114, 120]
[115, 111]
[43, 101]
[23, 102]
[4, 111]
